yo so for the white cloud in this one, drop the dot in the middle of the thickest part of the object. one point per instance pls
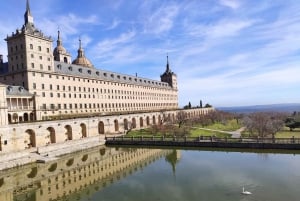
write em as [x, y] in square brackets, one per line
[114, 24]
[69, 24]
[108, 45]
[233, 4]
[161, 20]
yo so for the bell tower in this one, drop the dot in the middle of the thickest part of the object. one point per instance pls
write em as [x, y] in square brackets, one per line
[169, 77]
[28, 50]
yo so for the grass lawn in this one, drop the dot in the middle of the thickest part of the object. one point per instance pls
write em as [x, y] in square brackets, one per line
[141, 132]
[193, 133]
[231, 125]
[286, 133]
[199, 132]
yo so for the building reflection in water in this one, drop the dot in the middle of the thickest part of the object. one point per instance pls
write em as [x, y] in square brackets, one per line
[75, 176]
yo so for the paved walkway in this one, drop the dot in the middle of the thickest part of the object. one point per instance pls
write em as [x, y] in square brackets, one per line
[234, 134]
[48, 153]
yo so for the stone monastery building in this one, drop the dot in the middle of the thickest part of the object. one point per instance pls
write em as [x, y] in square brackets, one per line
[40, 82]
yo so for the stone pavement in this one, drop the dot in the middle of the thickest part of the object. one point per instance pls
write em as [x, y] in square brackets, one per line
[48, 153]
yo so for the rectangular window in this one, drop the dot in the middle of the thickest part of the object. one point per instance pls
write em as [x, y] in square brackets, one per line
[43, 86]
[57, 87]
[34, 85]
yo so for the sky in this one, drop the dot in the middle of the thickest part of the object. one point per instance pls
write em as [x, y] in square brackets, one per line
[224, 52]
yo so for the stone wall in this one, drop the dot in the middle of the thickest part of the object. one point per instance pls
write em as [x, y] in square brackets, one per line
[17, 137]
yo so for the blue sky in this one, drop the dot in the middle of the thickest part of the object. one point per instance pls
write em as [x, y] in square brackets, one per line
[224, 52]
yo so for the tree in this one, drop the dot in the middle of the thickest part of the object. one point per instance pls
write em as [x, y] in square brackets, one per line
[264, 123]
[201, 104]
[190, 105]
[181, 118]
[293, 122]
[207, 105]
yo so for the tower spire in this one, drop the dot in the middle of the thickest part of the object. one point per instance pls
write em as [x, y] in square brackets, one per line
[59, 43]
[27, 16]
[80, 50]
[168, 66]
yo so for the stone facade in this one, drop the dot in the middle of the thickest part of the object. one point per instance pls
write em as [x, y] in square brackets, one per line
[43, 86]
[63, 89]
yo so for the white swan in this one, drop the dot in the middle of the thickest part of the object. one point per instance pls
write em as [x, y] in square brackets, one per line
[246, 192]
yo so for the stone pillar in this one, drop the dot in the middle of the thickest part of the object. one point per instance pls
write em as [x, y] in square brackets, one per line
[3, 106]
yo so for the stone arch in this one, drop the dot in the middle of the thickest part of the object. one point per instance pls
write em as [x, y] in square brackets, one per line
[31, 117]
[53, 167]
[83, 130]
[141, 122]
[133, 125]
[69, 135]
[116, 124]
[159, 119]
[84, 157]
[169, 117]
[125, 124]
[32, 173]
[26, 117]
[15, 117]
[70, 162]
[173, 117]
[52, 135]
[31, 139]
[101, 127]
[9, 118]
[1, 182]
[147, 121]
[102, 151]
[153, 120]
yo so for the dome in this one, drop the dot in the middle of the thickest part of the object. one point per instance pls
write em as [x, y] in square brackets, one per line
[82, 61]
[59, 49]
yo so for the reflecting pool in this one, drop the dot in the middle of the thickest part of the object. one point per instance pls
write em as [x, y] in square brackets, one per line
[156, 174]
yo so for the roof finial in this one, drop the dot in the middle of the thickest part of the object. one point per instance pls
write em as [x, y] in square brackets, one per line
[27, 6]
[80, 50]
[168, 67]
[59, 43]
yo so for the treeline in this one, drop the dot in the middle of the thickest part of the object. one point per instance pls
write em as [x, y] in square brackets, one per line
[262, 124]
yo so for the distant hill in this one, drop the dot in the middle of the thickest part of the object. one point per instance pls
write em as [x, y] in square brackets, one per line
[285, 107]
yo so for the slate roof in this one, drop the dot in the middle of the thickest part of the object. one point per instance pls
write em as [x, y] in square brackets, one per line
[17, 91]
[81, 71]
